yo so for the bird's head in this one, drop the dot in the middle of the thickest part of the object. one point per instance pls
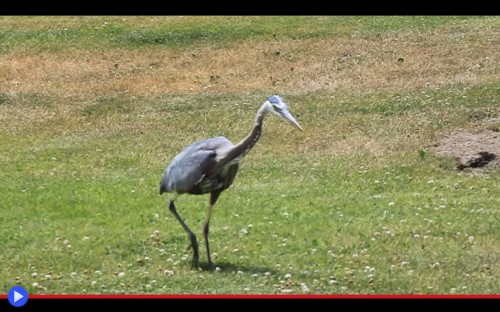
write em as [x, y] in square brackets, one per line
[278, 106]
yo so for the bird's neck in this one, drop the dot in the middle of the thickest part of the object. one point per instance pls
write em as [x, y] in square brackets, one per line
[244, 146]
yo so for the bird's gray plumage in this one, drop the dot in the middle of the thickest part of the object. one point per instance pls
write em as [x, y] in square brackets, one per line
[210, 166]
[188, 170]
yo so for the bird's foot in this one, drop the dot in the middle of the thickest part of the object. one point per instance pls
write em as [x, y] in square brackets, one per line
[195, 262]
[210, 266]
[196, 255]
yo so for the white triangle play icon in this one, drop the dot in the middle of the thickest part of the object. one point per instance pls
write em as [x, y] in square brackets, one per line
[17, 296]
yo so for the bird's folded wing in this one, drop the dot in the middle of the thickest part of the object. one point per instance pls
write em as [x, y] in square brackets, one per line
[188, 170]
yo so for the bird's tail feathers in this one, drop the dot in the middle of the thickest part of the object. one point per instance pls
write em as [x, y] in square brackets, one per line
[163, 188]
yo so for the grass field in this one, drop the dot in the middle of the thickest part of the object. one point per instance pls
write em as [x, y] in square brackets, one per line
[92, 110]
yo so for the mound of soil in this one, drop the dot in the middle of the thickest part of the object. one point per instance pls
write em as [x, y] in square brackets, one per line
[471, 150]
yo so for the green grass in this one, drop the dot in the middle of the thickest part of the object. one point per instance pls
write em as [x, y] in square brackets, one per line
[132, 32]
[354, 204]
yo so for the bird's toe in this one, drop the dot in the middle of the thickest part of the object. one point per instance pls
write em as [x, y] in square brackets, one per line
[210, 266]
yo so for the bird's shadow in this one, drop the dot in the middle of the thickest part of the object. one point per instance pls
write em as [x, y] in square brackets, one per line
[227, 267]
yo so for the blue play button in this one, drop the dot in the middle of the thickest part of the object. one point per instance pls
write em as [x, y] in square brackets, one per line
[17, 296]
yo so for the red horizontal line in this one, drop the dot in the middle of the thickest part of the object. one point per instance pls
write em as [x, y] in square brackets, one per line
[199, 296]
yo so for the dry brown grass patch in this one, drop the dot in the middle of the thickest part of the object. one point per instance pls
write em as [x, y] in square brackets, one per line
[295, 66]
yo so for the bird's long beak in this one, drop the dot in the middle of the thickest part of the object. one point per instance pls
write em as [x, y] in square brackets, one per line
[288, 117]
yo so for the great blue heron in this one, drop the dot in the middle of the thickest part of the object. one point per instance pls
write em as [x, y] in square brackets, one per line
[210, 166]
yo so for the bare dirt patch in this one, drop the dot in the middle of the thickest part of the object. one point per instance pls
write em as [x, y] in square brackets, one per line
[477, 150]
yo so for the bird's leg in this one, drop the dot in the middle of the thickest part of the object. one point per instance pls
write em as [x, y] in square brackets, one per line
[213, 198]
[205, 234]
[192, 237]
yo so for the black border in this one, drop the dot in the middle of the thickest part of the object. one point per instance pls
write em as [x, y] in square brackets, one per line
[184, 304]
[342, 7]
